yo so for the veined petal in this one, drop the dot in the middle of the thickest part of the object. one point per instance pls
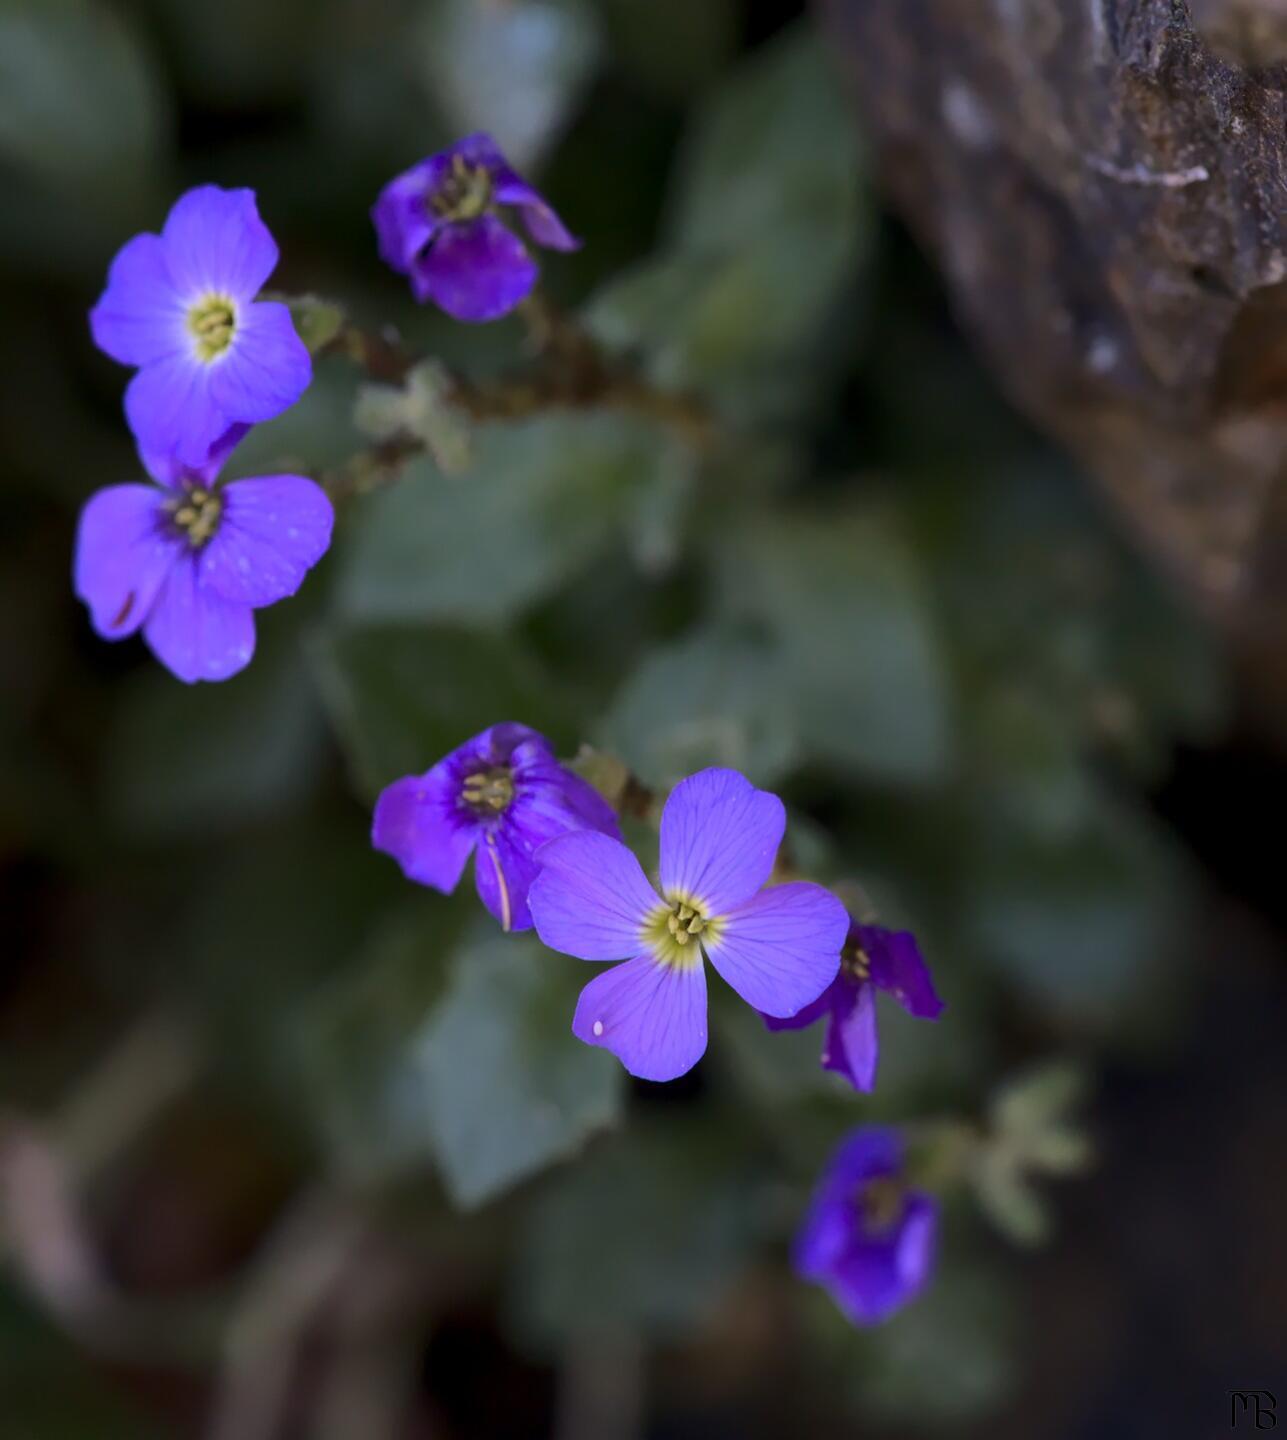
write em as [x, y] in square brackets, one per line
[897, 967]
[196, 633]
[504, 872]
[266, 368]
[719, 838]
[170, 410]
[852, 1048]
[651, 1016]
[169, 470]
[141, 316]
[780, 950]
[215, 243]
[272, 532]
[475, 271]
[418, 823]
[122, 557]
[811, 1013]
[591, 898]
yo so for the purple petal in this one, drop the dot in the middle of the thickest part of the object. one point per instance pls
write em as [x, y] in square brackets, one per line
[169, 470]
[215, 243]
[897, 967]
[852, 1048]
[878, 1276]
[591, 898]
[475, 271]
[811, 1013]
[122, 557]
[140, 317]
[651, 1016]
[272, 532]
[554, 799]
[780, 950]
[719, 838]
[170, 410]
[418, 823]
[195, 633]
[504, 873]
[265, 369]
[401, 216]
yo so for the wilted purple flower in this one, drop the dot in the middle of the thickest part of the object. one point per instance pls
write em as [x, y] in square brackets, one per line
[181, 306]
[188, 561]
[873, 959]
[502, 794]
[438, 223]
[777, 947]
[867, 1238]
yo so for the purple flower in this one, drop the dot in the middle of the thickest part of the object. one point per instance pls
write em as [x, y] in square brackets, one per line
[181, 306]
[867, 1238]
[505, 791]
[437, 223]
[188, 561]
[873, 959]
[777, 947]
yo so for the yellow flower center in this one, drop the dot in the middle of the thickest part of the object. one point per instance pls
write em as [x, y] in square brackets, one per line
[855, 962]
[462, 194]
[196, 515]
[212, 321]
[675, 931]
[488, 792]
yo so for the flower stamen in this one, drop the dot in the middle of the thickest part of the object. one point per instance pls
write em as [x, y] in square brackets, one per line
[880, 1202]
[196, 515]
[855, 963]
[462, 194]
[212, 321]
[488, 792]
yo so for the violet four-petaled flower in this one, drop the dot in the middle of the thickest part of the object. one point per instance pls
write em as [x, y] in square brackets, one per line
[188, 561]
[873, 959]
[438, 224]
[867, 1237]
[779, 947]
[181, 306]
[502, 794]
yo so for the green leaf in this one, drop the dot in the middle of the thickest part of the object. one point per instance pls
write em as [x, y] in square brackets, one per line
[541, 499]
[420, 408]
[513, 70]
[856, 657]
[710, 699]
[80, 104]
[184, 757]
[507, 1087]
[646, 1234]
[400, 697]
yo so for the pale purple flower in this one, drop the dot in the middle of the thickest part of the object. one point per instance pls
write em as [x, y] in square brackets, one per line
[181, 306]
[498, 797]
[188, 561]
[868, 1238]
[873, 959]
[779, 947]
[440, 223]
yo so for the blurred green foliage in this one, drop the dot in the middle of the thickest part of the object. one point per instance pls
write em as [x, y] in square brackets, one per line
[876, 592]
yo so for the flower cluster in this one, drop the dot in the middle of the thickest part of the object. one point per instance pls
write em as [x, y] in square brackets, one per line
[549, 855]
[188, 560]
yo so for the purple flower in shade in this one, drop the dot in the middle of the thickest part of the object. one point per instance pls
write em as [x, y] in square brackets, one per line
[181, 306]
[503, 791]
[777, 947]
[867, 1238]
[437, 223]
[873, 959]
[188, 561]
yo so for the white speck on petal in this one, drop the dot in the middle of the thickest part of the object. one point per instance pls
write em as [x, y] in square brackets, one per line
[293, 533]
[243, 564]
[598, 1028]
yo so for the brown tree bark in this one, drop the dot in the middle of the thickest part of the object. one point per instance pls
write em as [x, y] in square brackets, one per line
[1104, 183]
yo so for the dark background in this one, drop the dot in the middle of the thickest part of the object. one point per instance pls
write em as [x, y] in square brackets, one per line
[214, 1215]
